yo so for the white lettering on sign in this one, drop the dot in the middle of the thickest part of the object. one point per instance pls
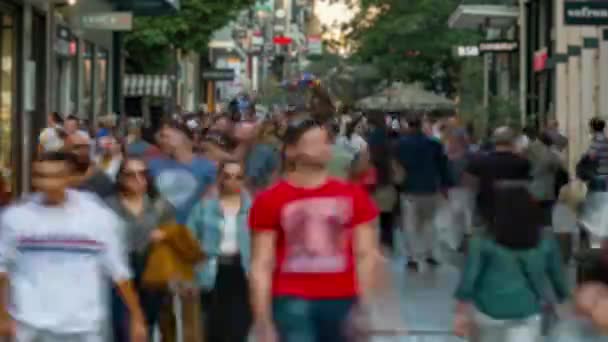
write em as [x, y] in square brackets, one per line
[588, 13]
[497, 46]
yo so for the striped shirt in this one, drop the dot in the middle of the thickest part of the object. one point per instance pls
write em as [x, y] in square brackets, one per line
[598, 150]
[59, 260]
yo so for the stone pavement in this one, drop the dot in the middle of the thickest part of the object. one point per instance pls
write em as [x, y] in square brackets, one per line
[419, 307]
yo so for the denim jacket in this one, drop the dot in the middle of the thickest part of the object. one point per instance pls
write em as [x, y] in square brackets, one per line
[205, 221]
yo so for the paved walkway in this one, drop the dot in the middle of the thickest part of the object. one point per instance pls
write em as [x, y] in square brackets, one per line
[420, 304]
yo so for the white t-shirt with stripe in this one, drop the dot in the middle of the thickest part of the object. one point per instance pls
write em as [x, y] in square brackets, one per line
[60, 261]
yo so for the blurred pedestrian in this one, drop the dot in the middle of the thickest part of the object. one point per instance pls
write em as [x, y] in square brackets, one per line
[143, 212]
[220, 223]
[502, 295]
[309, 231]
[57, 270]
[181, 177]
[87, 175]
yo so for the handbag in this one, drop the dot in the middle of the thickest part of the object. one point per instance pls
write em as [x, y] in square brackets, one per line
[172, 259]
[549, 317]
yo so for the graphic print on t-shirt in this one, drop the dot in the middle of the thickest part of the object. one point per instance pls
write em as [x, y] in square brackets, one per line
[178, 186]
[316, 238]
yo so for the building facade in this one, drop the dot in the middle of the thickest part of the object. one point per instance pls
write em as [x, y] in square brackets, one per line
[567, 68]
[49, 62]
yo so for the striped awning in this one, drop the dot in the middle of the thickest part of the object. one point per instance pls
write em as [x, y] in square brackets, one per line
[147, 85]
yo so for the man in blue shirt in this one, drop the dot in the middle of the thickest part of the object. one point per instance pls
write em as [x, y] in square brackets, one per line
[182, 177]
[426, 166]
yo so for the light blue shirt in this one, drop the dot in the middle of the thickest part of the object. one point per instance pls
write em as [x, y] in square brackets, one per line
[181, 184]
[206, 222]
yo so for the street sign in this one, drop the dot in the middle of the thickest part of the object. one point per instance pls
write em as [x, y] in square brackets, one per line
[594, 12]
[315, 45]
[498, 46]
[218, 75]
[109, 21]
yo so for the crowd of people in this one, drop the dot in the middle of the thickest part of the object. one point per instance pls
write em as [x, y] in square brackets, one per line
[218, 227]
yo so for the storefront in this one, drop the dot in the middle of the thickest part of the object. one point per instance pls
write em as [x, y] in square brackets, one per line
[9, 123]
[66, 75]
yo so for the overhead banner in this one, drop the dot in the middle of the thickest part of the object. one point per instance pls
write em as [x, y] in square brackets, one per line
[582, 13]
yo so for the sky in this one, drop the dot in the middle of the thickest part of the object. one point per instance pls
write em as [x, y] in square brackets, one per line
[328, 14]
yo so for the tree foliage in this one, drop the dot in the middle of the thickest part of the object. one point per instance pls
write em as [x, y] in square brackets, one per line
[408, 40]
[150, 43]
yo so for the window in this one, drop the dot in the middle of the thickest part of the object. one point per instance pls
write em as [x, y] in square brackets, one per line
[87, 101]
[7, 88]
[101, 100]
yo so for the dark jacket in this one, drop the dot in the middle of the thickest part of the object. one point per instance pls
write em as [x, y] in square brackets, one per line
[425, 164]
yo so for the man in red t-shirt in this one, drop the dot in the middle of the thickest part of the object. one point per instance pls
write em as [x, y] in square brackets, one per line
[311, 233]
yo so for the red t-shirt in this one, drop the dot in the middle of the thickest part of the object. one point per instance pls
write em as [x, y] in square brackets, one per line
[314, 226]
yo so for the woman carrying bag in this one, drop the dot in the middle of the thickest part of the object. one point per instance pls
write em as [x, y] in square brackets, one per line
[219, 222]
[502, 293]
[160, 252]
[142, 212]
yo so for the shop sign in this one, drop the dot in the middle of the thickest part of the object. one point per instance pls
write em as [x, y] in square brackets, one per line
[218, 75]
[540, 60]
[315, 45]
[110, 21]
[467, 51]
[593, 12]
[282, 40]
[498, 46]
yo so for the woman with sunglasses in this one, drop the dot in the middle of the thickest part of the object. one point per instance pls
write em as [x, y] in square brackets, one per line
[143, 212]
[219, 221]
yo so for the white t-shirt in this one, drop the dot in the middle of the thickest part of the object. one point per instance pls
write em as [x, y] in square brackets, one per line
[230, 244]
[355, 143]
[49, 139]
[59, 261]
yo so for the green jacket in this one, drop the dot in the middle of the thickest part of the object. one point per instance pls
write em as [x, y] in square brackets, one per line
[493, 279]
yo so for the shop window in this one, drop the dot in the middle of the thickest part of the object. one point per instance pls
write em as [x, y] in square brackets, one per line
[7, 88]
[101, 105]
[87, 100]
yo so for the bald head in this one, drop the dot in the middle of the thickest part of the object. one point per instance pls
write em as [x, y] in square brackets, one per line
[504, 136]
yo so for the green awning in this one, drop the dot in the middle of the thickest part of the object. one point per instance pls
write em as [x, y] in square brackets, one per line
[148, 7]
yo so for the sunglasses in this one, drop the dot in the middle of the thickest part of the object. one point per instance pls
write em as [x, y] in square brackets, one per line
[231, 176]
[302, 123]
[135, 173]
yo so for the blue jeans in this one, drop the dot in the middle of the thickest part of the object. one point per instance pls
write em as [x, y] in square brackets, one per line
[302, 320]
[150, 302]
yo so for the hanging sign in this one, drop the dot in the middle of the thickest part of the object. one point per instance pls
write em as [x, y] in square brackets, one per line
[540, 59]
